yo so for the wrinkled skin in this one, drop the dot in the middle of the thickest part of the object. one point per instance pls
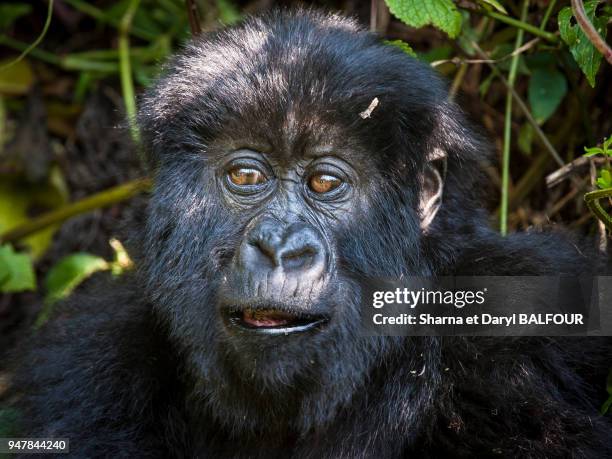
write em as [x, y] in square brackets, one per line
[275, 197]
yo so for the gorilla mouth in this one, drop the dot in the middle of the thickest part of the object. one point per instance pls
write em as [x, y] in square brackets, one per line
[274, 321]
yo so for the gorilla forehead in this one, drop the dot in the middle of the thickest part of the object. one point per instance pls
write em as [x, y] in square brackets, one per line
[289, 75]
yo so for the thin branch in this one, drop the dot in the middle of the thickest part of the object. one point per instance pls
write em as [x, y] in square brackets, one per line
[458, 61]
[521, 25]
[571, 168]
[194, 18]
[103, 199]
[589, 30]
[521, 104]
[373, 14]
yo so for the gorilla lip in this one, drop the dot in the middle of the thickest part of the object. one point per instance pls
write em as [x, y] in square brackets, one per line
[273, 321]
[266, 318]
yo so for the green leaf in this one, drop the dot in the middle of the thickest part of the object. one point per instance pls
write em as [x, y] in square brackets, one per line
[547, 88]
[10, 12]
[593, 151]
[69, 272]
[495, 4]
[585, 54]
[605, 179]
[18, 198]
[442, 14]
[16, 271]
[605, 150]
[403, 46]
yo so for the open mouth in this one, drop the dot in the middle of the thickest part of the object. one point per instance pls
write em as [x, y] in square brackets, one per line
[274, 321]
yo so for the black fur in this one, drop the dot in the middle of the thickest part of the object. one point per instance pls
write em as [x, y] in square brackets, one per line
[143, 367]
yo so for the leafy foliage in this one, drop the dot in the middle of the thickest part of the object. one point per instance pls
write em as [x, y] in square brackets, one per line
[70, 272]
[403, 46]
[18, 197]
[605, 149]
[16, 271]
[604, 180]
[585, 54]
[443, 14]
[547, 88]
[493, 4]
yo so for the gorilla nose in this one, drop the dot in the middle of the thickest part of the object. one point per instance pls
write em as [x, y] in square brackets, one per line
[296, 249]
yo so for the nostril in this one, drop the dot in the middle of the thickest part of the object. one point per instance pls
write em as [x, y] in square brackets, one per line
[264, 248]
[301, 258]
[263, 251]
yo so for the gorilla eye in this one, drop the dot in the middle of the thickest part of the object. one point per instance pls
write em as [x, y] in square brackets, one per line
[324, 183]
[244, 176]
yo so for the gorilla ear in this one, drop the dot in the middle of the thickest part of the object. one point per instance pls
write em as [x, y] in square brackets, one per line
[432, 186]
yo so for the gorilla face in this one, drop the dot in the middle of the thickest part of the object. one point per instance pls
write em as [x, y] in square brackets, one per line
[276, 193]
[283, 269]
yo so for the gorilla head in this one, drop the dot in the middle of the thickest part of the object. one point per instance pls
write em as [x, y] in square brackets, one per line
[295, 154]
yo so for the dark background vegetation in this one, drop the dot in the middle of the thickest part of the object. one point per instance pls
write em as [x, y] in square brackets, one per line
[63, 134]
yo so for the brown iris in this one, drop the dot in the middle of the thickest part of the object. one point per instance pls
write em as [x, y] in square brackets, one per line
[324, 183]
[244, 176]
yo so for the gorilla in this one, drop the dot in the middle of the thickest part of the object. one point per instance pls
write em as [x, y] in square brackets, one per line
[294, 156]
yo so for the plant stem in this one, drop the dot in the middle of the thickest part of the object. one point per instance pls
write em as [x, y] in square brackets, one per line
[592, 200]
[551, 6]
[67, 62]
[40, 54]
[522, 25]
[25, 52]
[75, 63]
[141, 53]
[98, 14]
[125, 70]
[503, 214]
[103, 199]
[521, 104]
